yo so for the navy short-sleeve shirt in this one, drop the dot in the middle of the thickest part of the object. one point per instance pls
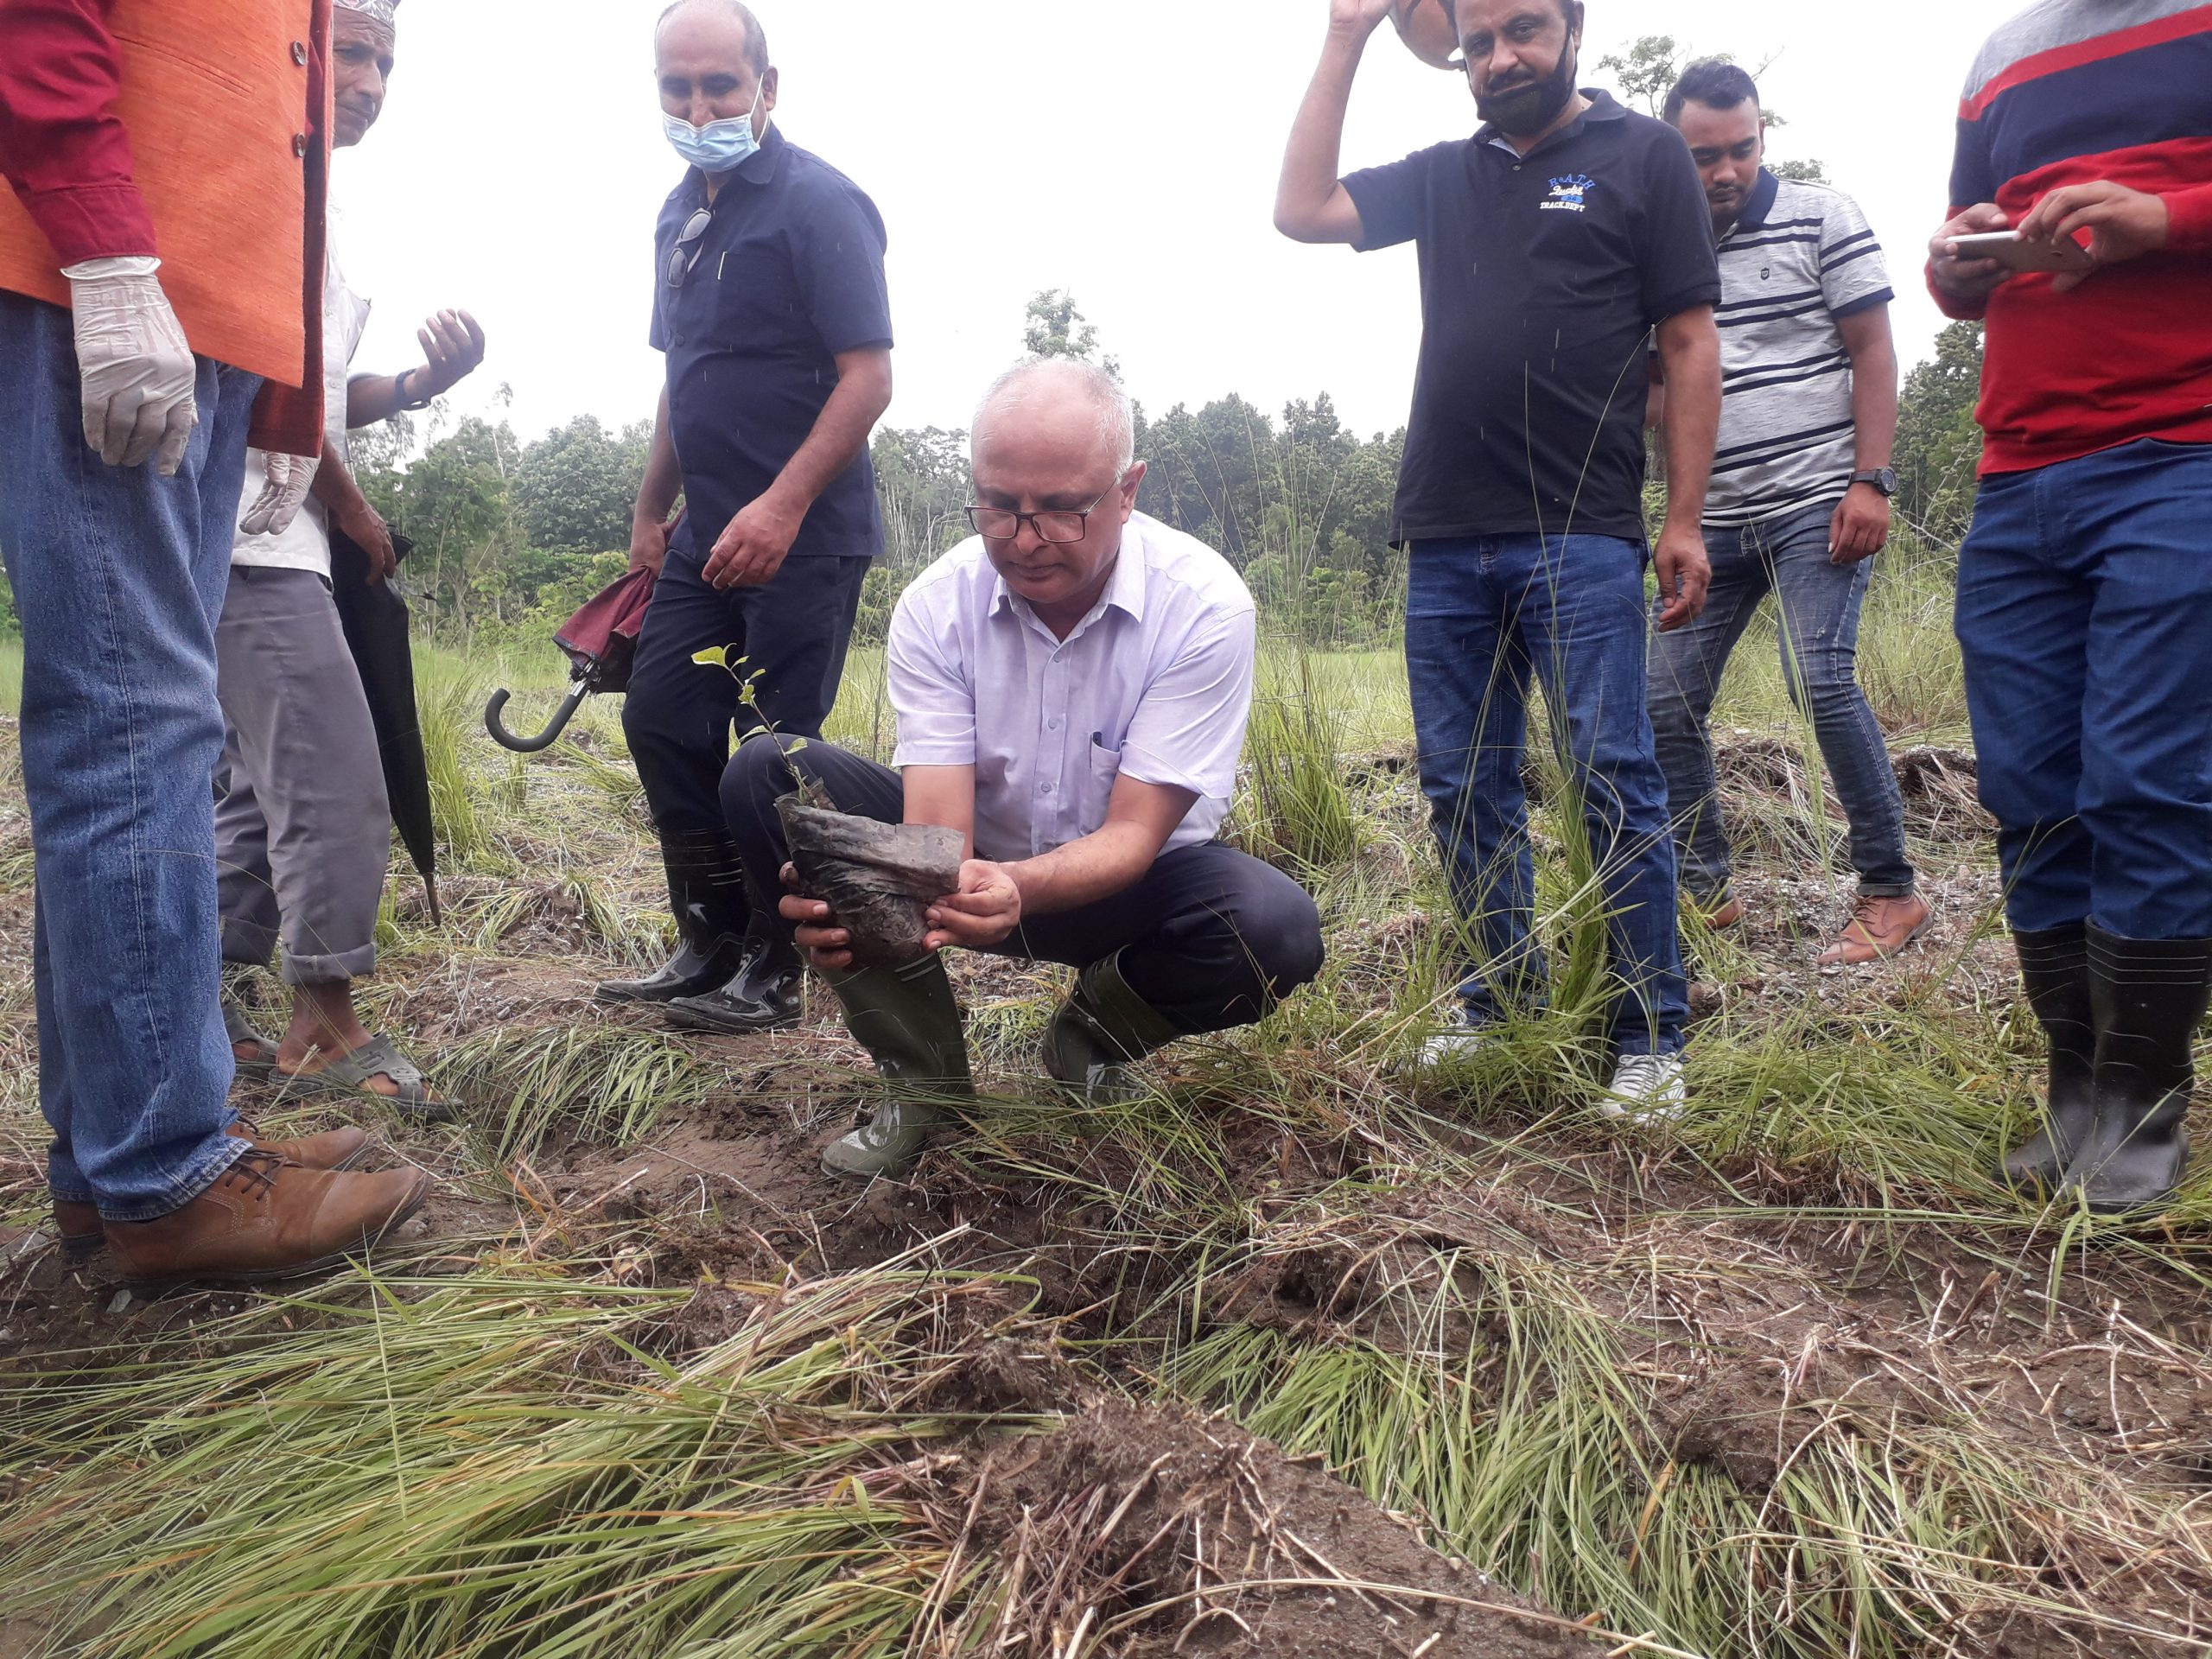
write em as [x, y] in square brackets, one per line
[788, 275]
[1541, 277]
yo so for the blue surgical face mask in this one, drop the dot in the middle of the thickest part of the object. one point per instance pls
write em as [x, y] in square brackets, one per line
[719, 145]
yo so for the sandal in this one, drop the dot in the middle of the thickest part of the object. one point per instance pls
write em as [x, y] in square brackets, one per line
[352, 1074]
[239, 1029]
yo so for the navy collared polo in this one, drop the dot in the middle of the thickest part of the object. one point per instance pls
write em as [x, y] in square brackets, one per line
[788, 275]
[1541, 277]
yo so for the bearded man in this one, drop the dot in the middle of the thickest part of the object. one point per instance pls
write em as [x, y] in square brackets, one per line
[1553, 243]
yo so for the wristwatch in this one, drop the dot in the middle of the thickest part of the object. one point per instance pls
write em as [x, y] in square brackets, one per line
[400, 395]
[1883, 479]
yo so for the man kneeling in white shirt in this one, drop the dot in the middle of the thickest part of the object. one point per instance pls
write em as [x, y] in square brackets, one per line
[1072, 686]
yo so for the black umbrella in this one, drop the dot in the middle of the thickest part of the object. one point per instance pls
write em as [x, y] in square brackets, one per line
[374, 617]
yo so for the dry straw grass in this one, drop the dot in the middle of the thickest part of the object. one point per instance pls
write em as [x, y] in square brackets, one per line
[1792, 1376]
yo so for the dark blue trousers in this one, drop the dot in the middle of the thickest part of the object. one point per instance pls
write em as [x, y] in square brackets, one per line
[1209, 936]
[2085, 615]
[792, 633]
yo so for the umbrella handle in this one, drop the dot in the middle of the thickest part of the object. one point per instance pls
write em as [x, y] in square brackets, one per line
[545, 739]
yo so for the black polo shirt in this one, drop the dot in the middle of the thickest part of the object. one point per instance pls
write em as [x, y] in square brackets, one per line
[1540, 276]
[789, 275]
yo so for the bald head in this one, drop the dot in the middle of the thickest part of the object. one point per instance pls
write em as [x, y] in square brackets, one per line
[732, 12]
[1078, 407]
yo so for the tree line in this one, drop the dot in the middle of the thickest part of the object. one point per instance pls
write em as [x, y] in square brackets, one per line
[511, 535]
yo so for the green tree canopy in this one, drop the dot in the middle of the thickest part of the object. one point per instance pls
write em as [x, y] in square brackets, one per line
[577, 485]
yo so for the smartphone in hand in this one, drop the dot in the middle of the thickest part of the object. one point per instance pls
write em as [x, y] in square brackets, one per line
[2013, 250]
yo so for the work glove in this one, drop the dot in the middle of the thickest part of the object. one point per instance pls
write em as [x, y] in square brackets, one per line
[136, 368]
[278, 504]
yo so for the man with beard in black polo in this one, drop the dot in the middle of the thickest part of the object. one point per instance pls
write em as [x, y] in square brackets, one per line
[1553, 244]
[771, 308]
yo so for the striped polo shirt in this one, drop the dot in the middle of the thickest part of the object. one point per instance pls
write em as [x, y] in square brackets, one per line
[1799, 259]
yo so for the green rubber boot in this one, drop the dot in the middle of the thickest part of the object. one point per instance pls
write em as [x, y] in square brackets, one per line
[908, 1020]
[1100, 1031]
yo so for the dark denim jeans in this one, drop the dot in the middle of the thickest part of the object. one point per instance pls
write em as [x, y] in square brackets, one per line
[1484, 616]
[118, 577]
[1820, 602]
[2085, 614]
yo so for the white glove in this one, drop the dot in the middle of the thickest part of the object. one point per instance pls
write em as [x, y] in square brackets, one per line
[136, 368]
[278, 504]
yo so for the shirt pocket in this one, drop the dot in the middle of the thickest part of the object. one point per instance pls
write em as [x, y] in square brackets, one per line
[1105, 766]
[753, 298]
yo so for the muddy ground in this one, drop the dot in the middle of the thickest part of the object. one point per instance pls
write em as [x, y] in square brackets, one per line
[1758, 1322]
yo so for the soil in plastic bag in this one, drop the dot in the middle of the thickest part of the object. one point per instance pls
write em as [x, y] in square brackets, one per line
[879, 879]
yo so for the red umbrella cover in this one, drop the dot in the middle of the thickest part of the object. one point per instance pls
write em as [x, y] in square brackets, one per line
[601, 638]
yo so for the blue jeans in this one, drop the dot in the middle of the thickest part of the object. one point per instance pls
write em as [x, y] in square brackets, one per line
[2085, 615]
[118, 577]
[1482, 616]
[1820, 602]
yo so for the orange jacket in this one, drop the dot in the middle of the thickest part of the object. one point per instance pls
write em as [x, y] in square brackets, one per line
[227, 106]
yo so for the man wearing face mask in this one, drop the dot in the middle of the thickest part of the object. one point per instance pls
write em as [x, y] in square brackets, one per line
[1553, 243]
[771, 305]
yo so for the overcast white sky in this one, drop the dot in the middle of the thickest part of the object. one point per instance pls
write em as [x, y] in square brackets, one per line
[1125, 150]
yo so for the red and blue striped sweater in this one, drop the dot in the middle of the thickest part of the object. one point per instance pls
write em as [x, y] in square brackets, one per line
[2068, 92]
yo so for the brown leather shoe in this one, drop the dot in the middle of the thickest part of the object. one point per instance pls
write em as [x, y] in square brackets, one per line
[1879, 927]
[263, 1219]
[80, 1223]
[1726, 914]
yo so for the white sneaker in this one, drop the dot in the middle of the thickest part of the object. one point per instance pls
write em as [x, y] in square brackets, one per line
[1459, 1040]
[1646, 1087]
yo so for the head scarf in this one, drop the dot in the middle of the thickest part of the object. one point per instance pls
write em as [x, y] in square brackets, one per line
[381, 11]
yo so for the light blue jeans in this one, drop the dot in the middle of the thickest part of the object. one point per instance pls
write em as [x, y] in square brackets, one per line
[1820, 602]
[118, 576]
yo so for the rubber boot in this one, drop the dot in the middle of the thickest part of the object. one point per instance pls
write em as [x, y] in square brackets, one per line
[707, 896]
[2055, 973]
[2149, 996]
[764, 995]
[908, 1020]
[1102, 1028]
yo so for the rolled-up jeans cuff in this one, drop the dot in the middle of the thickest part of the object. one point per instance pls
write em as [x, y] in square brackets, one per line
[1887, 889]
[202, 1174]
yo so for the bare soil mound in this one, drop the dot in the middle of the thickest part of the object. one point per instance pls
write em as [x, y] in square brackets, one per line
[1183, 1534]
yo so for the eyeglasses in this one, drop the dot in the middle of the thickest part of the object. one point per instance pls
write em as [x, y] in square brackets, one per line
[685, 254]
[1054, 524]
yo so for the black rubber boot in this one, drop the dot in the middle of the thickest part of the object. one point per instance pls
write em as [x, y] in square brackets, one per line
[762, 995]
[707, 896]
[2055, 973]
[909, 1022]
[2149, 997]
[1102, 1028]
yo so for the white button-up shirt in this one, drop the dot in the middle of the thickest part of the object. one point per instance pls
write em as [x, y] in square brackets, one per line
[1155, 682]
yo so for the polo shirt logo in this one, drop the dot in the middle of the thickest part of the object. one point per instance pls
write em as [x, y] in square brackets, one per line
[1567, 193]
